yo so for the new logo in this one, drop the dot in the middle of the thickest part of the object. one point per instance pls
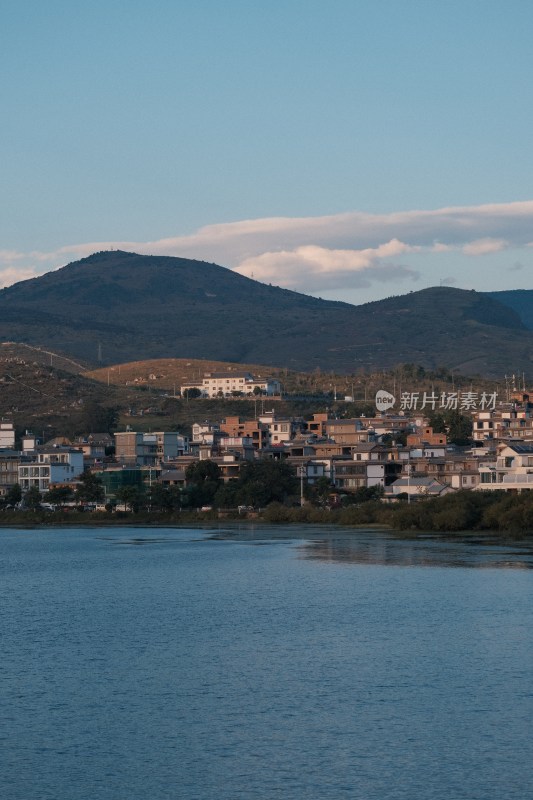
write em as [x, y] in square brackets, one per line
[384, 400]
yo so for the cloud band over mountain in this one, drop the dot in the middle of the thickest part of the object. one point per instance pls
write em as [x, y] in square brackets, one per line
[312, 254]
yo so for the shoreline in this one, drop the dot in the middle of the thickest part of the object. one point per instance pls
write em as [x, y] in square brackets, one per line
[46, 520]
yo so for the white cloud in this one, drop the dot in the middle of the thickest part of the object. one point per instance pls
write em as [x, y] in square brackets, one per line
[438, 247]
[481, 247]
[11, 275]
[10, 255]
[312, 268]
[349, 249]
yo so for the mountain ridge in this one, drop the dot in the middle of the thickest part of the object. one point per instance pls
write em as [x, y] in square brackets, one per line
[116, 306]
[520, 300]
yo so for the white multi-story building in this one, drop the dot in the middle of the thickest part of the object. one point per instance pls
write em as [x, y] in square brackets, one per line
[50, 467]
[225, 384]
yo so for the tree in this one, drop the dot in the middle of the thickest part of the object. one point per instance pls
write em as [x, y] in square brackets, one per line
[399, 438]
[90, 489]
[157, 497]
[192, 393]
[203, 480]
[174, 497]
[59, 495]
[227, 495]
[32, 498]
[13, 495]
[364, 494]
[132, 496]
[319, 491]
[164, 498]
[460, 428]
[202, 471]
[457, 426]
[263, 482]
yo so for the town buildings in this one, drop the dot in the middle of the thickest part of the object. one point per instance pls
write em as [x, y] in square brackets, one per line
[399, 453]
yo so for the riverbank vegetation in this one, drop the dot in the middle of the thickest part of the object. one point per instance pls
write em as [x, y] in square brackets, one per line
[462, 511]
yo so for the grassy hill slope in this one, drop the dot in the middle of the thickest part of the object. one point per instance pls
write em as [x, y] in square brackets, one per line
[171, 373]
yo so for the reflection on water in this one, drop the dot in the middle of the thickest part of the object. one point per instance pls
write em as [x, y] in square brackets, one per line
[426, 551]
[388, 548]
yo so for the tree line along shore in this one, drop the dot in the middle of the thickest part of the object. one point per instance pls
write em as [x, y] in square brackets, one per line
[464, 511]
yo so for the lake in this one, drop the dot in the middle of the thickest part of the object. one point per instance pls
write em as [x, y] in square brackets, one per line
[264, 662]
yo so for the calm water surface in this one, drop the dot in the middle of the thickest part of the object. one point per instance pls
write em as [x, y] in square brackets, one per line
[237, 664]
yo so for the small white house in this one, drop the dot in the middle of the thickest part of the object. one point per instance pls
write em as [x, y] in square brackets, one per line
[513, 469]
[418, 487]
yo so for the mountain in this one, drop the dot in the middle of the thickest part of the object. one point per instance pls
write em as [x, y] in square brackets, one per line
[114, 306]
[520, 300]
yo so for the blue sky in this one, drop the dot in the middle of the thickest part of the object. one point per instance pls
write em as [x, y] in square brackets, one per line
[351, 150]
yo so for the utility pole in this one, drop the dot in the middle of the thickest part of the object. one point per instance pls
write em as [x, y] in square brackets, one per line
[301, 472]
